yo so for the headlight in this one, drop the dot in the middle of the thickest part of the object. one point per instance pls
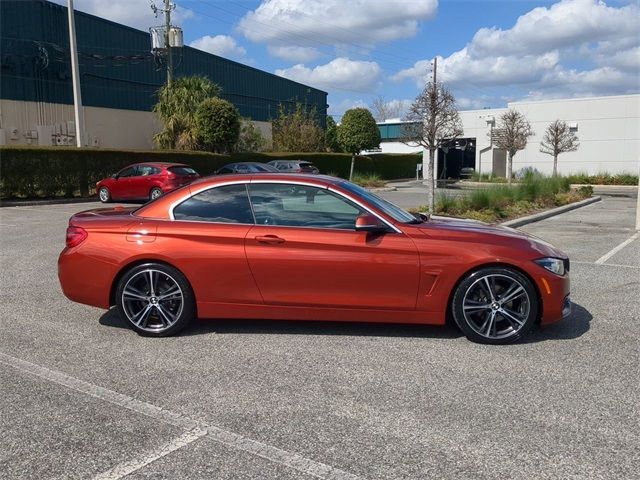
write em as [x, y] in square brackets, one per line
[555, 265]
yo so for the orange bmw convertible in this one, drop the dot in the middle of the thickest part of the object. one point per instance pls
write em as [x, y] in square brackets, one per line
[308, 247]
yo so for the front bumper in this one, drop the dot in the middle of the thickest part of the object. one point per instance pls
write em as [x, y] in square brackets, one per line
[555, 294]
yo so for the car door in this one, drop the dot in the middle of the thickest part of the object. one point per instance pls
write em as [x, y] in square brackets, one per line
[145, 179]
[304, 251]
[121, 188]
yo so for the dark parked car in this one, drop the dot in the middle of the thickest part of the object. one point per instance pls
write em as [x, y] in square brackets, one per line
[246, 167]
[294, 166]
[145, 181]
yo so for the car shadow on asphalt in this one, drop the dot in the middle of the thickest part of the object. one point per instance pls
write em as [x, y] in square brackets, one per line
[576, 325]
[111, 318]
[570, 328]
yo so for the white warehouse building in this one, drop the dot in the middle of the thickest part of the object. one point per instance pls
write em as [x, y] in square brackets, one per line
[608, 129]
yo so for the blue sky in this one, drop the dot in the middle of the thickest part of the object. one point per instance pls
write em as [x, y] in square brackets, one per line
[489, 52]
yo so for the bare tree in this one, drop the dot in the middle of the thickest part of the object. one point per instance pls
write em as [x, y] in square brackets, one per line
[383, 110]
[558, 138]
[512, 134]
[431, 121]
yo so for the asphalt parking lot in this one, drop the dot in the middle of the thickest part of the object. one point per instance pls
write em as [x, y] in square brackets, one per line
[85, 397]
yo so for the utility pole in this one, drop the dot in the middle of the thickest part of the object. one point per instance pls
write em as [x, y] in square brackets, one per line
[75, 73]
[167, 29]
[166, 48]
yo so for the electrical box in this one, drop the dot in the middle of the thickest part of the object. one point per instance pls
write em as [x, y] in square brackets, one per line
[13, 133]
[157, 38]
[71, 129]
[45, 135]
[175, 37]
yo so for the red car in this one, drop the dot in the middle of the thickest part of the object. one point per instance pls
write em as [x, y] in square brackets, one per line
[144, 181]
[307, 247]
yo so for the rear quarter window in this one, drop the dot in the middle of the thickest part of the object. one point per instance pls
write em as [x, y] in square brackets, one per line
[227, 204]
[182, 171]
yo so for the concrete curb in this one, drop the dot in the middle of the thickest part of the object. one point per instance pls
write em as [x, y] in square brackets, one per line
[53, 201]
[536, 217]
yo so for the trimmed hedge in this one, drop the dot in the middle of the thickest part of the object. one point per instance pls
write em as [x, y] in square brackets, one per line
[31, 172]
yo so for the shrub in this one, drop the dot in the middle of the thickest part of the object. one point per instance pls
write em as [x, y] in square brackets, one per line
[217, 125]
[53, 171]
[604, 178]
[371, 180]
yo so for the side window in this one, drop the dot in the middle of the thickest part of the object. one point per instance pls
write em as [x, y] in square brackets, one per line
[301, 206]
[145, 170]
[224, 170]
[128, 172]
[226, 204]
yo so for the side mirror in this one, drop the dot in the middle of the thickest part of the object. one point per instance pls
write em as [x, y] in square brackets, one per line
[366, 222]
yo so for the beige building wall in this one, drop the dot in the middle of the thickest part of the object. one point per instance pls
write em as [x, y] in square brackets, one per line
[51, 124]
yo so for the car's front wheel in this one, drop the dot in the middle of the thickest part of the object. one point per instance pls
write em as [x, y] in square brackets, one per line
[495, 305]
[155, 299]
[104, 195]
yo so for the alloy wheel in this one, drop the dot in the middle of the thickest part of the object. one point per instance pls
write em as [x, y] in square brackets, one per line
[104, 195]
[496, 306]
[152, 300]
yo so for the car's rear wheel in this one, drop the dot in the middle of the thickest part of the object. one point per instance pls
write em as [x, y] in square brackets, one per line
[104, 195]
[155, 299]
[155, 193]
[495, 305]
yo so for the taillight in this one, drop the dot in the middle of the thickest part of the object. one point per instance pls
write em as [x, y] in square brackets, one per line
[75, 236]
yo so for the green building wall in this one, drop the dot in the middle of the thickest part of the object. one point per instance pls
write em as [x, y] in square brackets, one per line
[117, 69]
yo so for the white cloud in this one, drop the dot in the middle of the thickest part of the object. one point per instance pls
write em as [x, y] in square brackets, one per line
[221, 45]
[565, 24]
[340, 73]
[294, 54]
[339, 108]
[314, 23]
[134, 13]
[541, 51]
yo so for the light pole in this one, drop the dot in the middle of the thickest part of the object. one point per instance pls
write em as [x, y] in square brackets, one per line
[75, 73]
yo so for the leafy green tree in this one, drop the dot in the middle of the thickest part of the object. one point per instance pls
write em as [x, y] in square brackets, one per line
[176, 109]
[297, 130]
[358, 131]
[331, 136]
[217, 125]
[251, 139]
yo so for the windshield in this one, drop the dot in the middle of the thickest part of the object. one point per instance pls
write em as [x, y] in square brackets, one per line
[397, 213]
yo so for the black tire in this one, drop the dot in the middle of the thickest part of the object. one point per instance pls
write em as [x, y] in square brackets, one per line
[155, 193]
[495, 305]
[104, 195]
[161, 311]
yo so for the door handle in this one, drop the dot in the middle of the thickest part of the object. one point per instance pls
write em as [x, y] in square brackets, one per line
[270, 239]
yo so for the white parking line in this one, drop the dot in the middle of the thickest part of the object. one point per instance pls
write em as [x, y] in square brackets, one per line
[195, 429]
[130, 466]
[615, 250]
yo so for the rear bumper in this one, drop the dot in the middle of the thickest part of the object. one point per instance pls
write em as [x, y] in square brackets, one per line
[85, 279]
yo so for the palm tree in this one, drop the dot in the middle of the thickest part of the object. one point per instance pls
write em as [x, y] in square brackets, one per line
[176, 109]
